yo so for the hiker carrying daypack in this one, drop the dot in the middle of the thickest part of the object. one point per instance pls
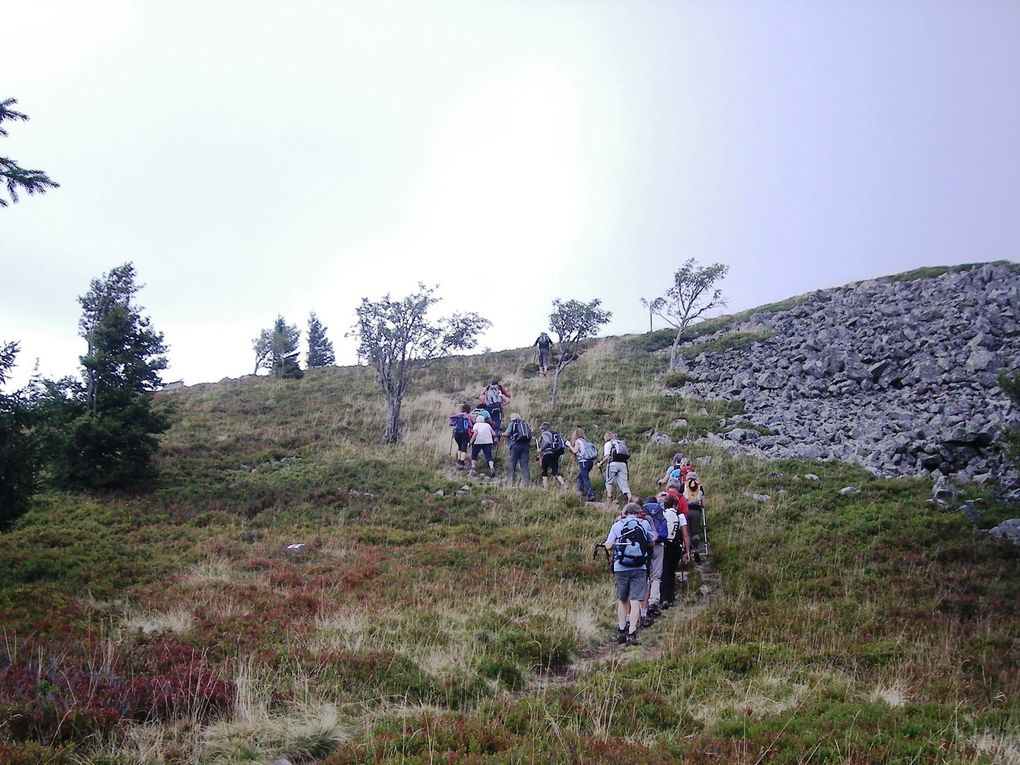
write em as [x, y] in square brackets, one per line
[586, 450]
[550, 448]
[632, 547]
[493, 396]
[461, 423]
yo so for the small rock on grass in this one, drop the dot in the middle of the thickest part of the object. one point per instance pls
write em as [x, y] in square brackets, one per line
[849, 490]
[757, 497]
[1009, 529]
[440, 493]
[297, 548]
[811, 477]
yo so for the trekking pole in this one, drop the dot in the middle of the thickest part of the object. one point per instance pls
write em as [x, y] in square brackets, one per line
[704, 528]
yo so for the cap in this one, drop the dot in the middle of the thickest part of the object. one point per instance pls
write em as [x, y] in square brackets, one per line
[692, 476]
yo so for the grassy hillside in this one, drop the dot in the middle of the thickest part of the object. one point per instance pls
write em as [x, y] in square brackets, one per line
[174, 626]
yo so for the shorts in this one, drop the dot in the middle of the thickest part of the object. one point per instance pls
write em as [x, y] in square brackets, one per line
[631, 585]
[462, 441]
[543, 357]
[550, 463]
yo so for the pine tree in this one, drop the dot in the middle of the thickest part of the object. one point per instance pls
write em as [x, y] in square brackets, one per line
[283, 354]
[112, 438]
[19, 447]
[12, 175]
[320, 349]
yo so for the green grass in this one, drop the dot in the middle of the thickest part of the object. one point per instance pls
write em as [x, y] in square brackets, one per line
[419, 628]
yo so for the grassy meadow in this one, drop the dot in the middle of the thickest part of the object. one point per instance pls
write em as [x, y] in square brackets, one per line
[173, 626]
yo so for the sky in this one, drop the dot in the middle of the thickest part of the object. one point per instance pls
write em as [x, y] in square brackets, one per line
[255, 159]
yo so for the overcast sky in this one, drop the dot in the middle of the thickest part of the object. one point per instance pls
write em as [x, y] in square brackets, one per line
[255, 158]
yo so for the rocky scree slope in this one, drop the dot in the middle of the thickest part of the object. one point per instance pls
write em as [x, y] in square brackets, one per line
[897, 376]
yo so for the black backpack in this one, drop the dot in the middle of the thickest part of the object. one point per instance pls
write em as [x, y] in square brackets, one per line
[520, 431]
[558, 444]
[618, 452]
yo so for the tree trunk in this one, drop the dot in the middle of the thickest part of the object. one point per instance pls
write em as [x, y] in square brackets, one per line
[392, 419]
[675, 349]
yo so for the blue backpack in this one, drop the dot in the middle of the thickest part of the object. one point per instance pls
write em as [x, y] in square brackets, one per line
[658, 519]
[460, 423]
[632, 546]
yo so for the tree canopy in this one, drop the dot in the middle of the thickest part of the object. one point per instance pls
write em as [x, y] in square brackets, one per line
[397, 337]
[320, 348]
[572, 321]
[693, 294]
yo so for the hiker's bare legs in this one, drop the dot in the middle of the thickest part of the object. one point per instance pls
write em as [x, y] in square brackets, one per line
[622, 613]
[635, 615]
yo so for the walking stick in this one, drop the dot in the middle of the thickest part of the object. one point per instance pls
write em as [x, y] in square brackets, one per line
[704, 528]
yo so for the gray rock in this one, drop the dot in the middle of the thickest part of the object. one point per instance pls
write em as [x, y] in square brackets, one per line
[743, 435]
[969, 512]
[659, 439]
[248, 468]
[1009, 530]
[943, 489]
[679, 423]
[849, 491]
[811, 477]
[439, 493]
[300, 547]
[757, 497]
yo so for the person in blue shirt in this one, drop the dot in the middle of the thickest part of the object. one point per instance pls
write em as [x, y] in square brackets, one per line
[630, 540]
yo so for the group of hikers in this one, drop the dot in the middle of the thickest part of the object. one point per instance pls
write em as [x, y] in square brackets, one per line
[648, 541]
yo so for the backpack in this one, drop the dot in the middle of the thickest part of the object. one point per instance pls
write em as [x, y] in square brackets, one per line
[519, 431]
[558, 444]
[544, 342]
[632, 546]
[658, 518]
[493, 396]
[460, 423]
[586, 451]
[618, 452]
[674, 481]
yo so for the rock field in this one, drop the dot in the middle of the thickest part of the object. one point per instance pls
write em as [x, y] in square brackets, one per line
[897, 376]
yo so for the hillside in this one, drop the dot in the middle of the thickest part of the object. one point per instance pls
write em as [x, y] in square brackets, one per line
[474, 625]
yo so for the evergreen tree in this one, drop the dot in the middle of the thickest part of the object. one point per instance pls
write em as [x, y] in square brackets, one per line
[12, 175]
[283, 354]
[320, 349]
[19, 452]
[110, 438]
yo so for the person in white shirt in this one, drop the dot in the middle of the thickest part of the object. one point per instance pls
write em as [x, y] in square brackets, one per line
[616, 472]
[482, 438]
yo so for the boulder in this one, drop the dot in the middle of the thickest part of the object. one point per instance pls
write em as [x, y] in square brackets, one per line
[1008, 530]
[849, 491]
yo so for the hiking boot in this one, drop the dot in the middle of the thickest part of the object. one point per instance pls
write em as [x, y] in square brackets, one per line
[632, 639]
[621, 635]
[667, 604]
[654, 611]
[647, 621]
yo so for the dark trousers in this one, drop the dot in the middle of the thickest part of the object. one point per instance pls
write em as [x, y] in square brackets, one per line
[496, 413]
[670, 563]
[519, 453]
[584, 479]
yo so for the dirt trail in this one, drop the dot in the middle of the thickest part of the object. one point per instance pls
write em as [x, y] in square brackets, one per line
[610, 653]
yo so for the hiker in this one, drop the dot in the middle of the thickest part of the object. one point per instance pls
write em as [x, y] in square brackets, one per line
[550, 447]
[677, 545]
[629, 540]
[482, 438]
[585, 452]
[461, 424]
[493, 398]
[616, 456]
[544, 344]
[518, 437]
[657, 518]
[694, 494]
[676, 473]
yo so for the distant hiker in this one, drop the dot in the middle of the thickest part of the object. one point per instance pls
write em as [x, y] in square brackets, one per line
[695, 496]
[518, 437]
[461, 424]
[677, 546]
[657, 518]
[630, 540]
[493, 398]
[616, 456]
[544, 345]
[585, 452]
[550, 448]
[676, 472]
[482, 438]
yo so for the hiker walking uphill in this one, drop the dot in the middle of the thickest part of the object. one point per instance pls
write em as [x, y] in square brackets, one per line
[482, 439]
[585, 452]
[518, 437]
[544, 344]
[550, 448]
[615, 464]
[461, 424]
[676, 546]
[630, 539]
[493, 398]
[694, 495]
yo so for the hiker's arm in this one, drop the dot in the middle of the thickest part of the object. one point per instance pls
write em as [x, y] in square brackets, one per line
[687, 542]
